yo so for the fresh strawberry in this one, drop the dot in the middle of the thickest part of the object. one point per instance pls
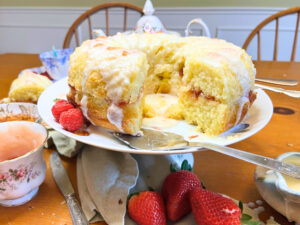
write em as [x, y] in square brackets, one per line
[210, 208]
[175, 191]
[71, 120]
[147, 208]
[59, 107]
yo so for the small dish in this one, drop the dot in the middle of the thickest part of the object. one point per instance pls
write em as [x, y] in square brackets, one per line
[277, 191]
[17, 111]
[56, 63]
[289, 187]
[21, 177]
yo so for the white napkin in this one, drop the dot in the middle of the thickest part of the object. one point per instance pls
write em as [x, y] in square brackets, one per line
[105, 178]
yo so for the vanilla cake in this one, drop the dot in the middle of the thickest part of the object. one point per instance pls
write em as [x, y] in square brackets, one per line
[118, 80]
[28, 87]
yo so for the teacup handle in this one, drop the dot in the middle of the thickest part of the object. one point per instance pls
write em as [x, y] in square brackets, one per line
[201, 23]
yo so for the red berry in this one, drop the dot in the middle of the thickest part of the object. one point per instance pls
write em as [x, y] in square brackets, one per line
[61, 101]
[212, 208]
[59, 107]
[175, 190]
[147, 208]
[71, 120]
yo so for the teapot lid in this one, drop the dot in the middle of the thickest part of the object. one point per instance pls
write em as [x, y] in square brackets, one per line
[149, 23]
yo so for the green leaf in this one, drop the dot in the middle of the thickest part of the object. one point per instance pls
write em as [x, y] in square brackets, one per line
[246, 217]
[55, 100]
[151, 188]
[202, 184]
[186, 166]
[132, 194]
[249, 222]
[172, 168]
[241, 206]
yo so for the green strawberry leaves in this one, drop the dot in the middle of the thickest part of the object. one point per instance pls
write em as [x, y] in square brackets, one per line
[184, 166]
[245, 218]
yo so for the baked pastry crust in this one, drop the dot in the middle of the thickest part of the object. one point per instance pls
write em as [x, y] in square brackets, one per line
[28, 87]
[212, 79]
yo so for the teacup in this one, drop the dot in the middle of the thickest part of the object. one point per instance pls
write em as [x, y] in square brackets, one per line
[21, 177]
[56, 62]
[18, 111]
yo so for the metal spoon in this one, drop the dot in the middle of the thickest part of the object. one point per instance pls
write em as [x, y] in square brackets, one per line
[291, 93]
[277, 81]
[157, 140]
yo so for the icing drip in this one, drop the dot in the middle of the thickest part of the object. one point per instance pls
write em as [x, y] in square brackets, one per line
[84, 109]
[113, 69]
[242, 101]
[115, 116]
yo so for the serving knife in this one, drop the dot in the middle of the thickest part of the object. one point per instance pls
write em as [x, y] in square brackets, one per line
[291, 93]
[63, 182]
[277, 81]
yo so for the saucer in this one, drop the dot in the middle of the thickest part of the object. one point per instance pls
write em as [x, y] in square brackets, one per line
[20, 201]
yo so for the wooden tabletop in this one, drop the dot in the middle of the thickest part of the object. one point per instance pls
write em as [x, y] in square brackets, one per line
[220, 173]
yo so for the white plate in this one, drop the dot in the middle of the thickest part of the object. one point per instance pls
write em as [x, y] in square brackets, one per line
[258, 116]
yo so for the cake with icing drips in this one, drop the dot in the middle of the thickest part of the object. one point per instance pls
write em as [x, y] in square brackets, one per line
[210, 81]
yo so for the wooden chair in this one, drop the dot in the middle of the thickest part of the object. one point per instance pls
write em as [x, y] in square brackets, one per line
[275, 17]
[73, 30]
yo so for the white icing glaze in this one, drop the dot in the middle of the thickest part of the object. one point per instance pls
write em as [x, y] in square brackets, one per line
[160, 103]
[115, 72]
[84, 108]
[115, 116]
[237, 66]
[159, 122]
[242, 101]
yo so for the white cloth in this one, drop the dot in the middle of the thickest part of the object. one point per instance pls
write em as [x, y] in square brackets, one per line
[105, 178]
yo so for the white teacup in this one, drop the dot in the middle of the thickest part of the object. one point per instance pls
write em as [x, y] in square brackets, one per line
[21, 177]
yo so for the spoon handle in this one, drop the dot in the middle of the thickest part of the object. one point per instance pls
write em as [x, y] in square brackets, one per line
[273, 164]
[291, 93]
[277, 81]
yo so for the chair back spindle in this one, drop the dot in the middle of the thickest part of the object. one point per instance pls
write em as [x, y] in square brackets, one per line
[90, 27]
[107, 21]
[125, 19]
[295, 38]
[276, 17]
[276, 41]
[73, 30]
[258, 45]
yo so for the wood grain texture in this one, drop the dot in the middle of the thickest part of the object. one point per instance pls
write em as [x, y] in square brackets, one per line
[220, 173]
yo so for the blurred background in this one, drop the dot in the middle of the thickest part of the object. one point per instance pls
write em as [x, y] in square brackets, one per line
[34, 26]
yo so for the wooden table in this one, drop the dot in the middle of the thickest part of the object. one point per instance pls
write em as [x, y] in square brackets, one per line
[220, 173]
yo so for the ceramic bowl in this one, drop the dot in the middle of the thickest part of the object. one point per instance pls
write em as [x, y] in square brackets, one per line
[57, 66]
[18, 111]
[274, 189]
[21, 177]
[281, 183]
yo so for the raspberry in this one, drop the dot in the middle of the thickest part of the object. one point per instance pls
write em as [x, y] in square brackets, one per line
[71, 120]
[61, 101]
[59, 107]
